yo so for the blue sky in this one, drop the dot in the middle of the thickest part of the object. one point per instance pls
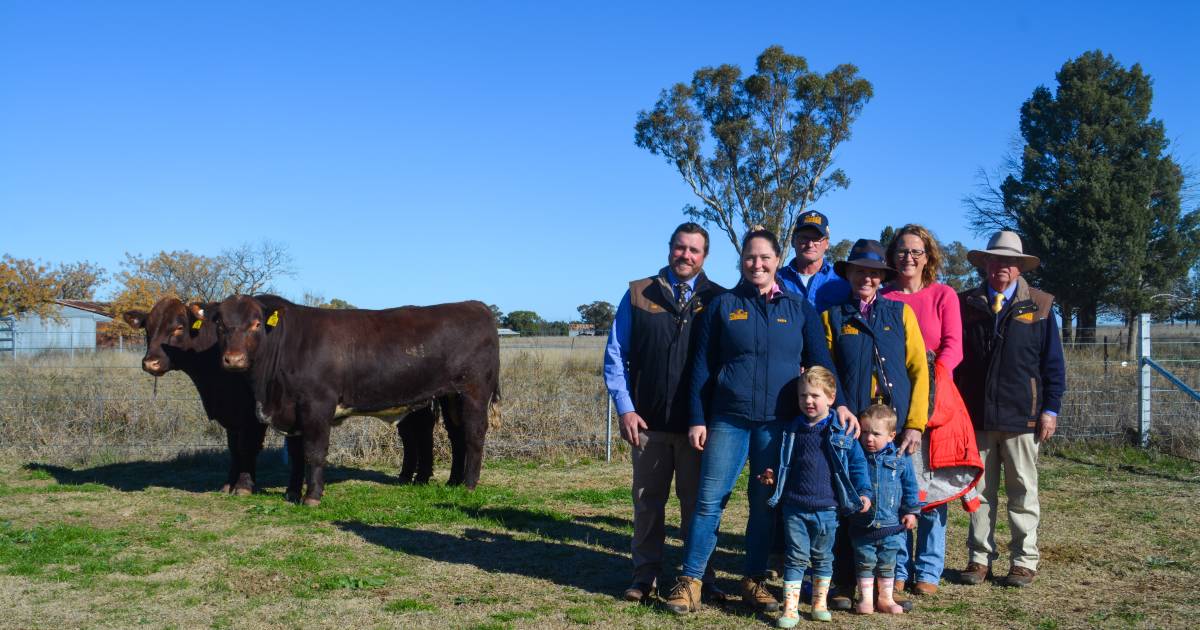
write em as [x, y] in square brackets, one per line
[411, 154]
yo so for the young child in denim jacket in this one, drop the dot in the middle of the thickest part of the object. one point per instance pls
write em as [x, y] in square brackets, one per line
[822, 474]
[878, 534]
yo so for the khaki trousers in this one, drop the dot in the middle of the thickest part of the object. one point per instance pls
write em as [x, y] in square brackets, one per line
[661, 457]
[1017, 453]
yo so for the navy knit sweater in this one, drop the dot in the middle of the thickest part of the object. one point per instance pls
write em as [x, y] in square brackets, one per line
[809, 485]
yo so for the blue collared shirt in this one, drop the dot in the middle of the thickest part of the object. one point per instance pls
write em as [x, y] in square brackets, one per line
[616, 371]
[824, 289]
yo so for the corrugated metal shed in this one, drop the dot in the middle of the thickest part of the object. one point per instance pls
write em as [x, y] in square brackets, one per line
[73, 329]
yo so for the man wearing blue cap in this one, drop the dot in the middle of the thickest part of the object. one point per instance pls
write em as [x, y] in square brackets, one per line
[809, 274]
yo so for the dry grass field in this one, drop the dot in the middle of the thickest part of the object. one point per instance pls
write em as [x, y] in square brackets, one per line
[109, 519]
[537, 545]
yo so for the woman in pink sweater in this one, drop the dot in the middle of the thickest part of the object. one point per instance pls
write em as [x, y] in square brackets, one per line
[915, 254]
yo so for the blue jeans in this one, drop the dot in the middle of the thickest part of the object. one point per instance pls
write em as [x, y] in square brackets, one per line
[808, 536]
[877, 557]
[931, 548]
[729, 443]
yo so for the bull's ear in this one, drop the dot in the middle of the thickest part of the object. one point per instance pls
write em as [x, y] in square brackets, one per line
[137, 319]
[273, 309]
[203, 311]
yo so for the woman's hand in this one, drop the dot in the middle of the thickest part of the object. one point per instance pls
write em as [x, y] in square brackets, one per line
[848, 419]
[909, 521]
[910, 443]
[697, 436]
[866, 501]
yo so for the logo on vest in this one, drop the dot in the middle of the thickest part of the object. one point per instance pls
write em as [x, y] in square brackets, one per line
[781, 320]
[738, 314]
[1025, 317]
[849, 330]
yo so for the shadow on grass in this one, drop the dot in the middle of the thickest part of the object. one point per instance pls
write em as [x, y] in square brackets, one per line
[1133, 469]
[557, 561]
[202, 471]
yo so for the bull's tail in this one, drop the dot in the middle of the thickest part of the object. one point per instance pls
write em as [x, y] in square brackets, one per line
[494, 409]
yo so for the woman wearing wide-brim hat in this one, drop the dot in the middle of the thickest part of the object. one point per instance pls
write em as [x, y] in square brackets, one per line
[880, 355]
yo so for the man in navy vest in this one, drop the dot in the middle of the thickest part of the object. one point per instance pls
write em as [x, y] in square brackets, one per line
[645, 362]
[809, 274]
[1012, 379]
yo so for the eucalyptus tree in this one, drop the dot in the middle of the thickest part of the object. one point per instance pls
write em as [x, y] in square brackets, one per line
[756, 150]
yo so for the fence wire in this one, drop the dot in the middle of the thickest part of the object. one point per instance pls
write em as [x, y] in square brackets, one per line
[61, 407]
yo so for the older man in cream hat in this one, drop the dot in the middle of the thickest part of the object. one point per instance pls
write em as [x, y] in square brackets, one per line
[1012, 379]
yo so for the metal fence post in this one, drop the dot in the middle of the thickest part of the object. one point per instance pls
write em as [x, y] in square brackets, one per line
[1145, 379]
[608, 431]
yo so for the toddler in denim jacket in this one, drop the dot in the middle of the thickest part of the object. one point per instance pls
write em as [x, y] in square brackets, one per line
[822, 475]
[879, 533]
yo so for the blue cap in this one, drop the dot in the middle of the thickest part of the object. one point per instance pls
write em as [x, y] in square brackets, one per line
[811, 219]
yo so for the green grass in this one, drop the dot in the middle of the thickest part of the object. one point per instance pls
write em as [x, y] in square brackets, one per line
[596, 497]
[535, 546]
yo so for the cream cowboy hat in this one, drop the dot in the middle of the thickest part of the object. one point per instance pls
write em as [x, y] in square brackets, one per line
[1008, 245]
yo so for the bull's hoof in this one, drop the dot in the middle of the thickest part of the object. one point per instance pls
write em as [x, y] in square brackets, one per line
[226, 488]
[311, 502]
[243, 491]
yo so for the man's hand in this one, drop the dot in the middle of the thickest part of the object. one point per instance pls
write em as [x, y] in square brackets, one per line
[697, 436]
[909, 521]
[1047, 424]
[850, 420]
[767, 478]
[631, 427]
[911, 442]
[866, 501]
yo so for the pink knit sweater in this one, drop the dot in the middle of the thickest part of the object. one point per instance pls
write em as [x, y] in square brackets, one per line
[936, 308]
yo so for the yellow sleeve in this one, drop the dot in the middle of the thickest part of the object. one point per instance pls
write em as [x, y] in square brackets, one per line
[829, 336]
[918, 372]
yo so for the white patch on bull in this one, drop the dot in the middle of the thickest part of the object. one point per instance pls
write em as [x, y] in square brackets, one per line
[418, 351]
[391, 415]
[262, 417]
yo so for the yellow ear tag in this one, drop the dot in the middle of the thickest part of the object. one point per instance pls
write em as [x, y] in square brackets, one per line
[273, 320]
[197, 324]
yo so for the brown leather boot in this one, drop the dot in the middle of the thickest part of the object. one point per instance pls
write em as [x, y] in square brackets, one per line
[756, 595]
[685, 596]
[1020, 576]
[925, 588]
[975, 573]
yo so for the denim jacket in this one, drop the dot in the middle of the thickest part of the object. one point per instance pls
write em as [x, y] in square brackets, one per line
[851, 478]
[895, 486]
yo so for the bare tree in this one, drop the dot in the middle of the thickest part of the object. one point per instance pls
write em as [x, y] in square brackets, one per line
[254, 268]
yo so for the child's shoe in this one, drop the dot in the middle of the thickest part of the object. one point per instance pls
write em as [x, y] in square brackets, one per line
[884, 603]
[866, 602]
[791, 605]
[820, 610]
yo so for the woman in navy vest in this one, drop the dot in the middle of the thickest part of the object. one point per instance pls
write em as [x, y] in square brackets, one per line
[750, 346]
[879, 352]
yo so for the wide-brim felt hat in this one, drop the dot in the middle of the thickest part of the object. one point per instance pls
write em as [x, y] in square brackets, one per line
[865, 253]
[1007, 244]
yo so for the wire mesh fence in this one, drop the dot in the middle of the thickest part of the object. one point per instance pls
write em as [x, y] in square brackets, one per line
[68, 407]
[65, 407]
